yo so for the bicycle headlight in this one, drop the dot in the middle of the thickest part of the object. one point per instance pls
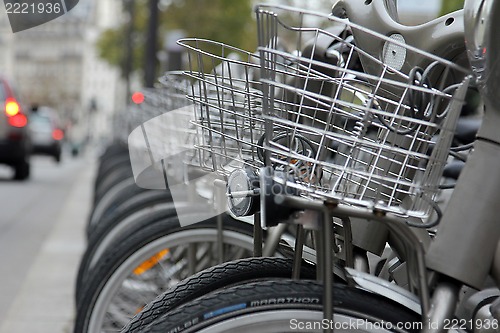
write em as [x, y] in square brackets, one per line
[243, 192]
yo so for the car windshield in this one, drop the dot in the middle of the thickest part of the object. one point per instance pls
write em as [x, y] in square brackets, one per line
[38, 122]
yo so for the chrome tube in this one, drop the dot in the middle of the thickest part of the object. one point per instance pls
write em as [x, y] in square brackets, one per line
[443, 306]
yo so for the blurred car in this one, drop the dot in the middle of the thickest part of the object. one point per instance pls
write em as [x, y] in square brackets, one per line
[14, 135]
[46, 132]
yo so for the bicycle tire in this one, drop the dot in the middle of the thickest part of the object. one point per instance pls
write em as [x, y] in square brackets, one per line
[115, 261]
[101, 241]
[229, 310]
[120, 162]
[214, 278]
[124, 207]
[110, 153]
[126, 210]
[111, 179]
[111, 201]
[128, 207]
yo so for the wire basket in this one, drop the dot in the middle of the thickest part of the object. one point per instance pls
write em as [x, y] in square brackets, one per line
[178, 132]
[344, 124]
[169, 94]
[228, 105]
[161, 143]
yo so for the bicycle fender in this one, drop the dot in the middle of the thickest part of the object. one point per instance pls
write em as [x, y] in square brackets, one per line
[384, 288]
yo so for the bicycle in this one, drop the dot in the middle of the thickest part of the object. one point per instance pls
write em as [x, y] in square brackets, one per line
[220, 311]
[134, 258]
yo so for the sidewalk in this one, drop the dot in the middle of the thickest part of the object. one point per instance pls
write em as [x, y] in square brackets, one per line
[45, 302]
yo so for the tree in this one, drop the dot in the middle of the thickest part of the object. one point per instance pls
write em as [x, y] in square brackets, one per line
[227, 21]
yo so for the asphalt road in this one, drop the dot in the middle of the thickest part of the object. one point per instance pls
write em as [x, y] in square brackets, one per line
[41, 240]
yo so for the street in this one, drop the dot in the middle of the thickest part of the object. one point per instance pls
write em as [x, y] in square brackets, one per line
[41, 241]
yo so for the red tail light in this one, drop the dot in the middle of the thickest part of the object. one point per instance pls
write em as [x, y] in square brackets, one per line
[18, 120]
[14, 115]
[57, 134]
[12, 108]
[138, 97]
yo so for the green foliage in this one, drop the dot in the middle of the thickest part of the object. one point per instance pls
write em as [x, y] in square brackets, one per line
[227, 21]
[109, 46]
[448, 6]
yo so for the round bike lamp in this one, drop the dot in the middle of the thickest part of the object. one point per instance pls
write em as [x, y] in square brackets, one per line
[243, 192]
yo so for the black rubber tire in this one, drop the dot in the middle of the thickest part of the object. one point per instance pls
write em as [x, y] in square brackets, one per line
[22, 170]
[110, 162]
[111, 152]
[131, 205]
[109, 207]
[214, 278]
[261, 296]
[84, 270]
[109, 166]
[128, 207]
[124, 248]
[112, 165]
[111, 179]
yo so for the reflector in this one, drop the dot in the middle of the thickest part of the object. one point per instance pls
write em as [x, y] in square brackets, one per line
[151, 262]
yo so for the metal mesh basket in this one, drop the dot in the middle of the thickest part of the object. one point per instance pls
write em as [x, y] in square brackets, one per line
[179, 134]
[228, 105]
[168, 95]
[345, 125]
[161, 143]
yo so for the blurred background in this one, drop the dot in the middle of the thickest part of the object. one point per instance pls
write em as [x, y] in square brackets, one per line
[83, 69]
[86, 63]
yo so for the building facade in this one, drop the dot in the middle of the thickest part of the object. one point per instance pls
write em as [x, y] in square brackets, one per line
[56, 64]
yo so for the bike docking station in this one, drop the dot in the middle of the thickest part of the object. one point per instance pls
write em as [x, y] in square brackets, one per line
[327, 147]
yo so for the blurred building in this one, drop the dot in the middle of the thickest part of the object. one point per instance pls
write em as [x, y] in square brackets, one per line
[6, 45]
[56, 64]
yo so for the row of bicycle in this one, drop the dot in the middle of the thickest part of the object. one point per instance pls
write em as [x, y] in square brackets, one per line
[297, 188]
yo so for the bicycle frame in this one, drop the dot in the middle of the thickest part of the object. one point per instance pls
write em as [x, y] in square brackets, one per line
[468, 229]
[380, 16]
[466, 232]
[459, 243]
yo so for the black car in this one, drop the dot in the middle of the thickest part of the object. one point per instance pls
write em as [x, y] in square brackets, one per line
[15, 143]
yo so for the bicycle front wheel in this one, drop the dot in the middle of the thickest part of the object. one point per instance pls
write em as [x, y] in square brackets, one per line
[286, 306]
[141, 266]
[214, 278]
